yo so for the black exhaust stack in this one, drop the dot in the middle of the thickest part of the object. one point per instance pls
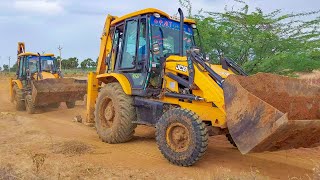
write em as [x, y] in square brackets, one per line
[39, 69]
[181, 32]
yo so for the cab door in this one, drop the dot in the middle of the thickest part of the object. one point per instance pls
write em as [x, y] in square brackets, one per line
[22, 68]
[134, 58]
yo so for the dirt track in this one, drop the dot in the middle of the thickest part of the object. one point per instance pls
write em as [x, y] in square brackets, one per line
[49, 145]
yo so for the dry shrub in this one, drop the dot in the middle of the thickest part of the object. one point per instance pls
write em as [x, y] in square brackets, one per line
[38, 161]
[72, 148]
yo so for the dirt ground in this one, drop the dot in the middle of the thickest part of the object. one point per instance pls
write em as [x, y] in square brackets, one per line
[50, 145]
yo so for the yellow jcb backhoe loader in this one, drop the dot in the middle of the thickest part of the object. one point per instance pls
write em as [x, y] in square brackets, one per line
[39, 82]
[150, 72]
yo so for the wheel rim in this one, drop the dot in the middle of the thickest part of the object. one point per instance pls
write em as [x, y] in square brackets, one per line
[178, 137]
[108, 113]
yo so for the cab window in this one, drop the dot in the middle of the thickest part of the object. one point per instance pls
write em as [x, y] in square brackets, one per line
[116, 47]
[129, 48]
[142, 49]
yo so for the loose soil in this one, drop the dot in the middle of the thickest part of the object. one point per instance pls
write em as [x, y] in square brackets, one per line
[298, 97]
[49, 145]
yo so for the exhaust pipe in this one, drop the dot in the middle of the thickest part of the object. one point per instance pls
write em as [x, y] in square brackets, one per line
[39, 69]
[181, 31]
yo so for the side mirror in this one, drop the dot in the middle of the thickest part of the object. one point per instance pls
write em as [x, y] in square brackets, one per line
[155, 48]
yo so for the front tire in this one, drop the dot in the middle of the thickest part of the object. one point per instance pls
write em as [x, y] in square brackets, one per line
[31, 108]
[114, 114]
[181, 137]
[18, 98]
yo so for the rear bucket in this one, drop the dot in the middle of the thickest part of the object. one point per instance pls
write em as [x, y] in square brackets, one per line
[266, 112]
[49, 91]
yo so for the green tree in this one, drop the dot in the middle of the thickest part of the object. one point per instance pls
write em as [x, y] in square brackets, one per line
[70, 63]
[14, 67]
[74, 62]
[187, 5]
[5, 67]
[93, 64]
[83, 64]
[258, 41]
[64, 64]
[87, 63]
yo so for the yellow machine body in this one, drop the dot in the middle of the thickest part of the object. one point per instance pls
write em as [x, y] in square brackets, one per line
[220, 106]
[45, 86]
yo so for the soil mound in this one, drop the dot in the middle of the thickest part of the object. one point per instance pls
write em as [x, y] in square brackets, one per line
[299, 98]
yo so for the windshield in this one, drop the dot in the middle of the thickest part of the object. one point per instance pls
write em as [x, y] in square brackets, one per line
[47, 64]
[165, 32]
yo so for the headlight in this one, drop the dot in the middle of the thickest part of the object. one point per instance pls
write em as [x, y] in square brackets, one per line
[156, 15]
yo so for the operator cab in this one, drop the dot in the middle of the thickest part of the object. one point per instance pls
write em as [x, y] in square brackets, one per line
[33, 63]
[141, 43]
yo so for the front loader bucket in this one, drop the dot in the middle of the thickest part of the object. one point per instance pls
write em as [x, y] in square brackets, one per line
[267, 112]
[49, 91]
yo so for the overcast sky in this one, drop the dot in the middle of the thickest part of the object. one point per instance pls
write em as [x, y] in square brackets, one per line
[76, 25]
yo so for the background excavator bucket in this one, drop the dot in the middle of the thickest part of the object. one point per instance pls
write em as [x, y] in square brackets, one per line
[267, 112]
[53, 90]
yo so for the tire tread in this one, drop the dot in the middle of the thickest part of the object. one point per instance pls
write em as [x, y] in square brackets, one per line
[201, 137]
[19, 102]
[124, 129]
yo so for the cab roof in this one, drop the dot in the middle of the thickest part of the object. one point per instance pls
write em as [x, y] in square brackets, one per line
[34, 54]
[47, 54]
[148, 11]
[27, 54]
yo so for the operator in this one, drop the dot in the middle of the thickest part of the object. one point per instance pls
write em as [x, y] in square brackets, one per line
[155, 77]
[32, 67]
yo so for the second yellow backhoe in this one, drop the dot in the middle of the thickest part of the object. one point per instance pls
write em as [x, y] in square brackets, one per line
[150, 72]
[39, 82]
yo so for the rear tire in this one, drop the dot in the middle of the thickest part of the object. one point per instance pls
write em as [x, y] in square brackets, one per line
[71, 104]
[31, 108]
[114, 114]
[181, 137]
[18, 98]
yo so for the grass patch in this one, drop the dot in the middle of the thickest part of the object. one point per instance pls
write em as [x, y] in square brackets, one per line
[76, 72]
